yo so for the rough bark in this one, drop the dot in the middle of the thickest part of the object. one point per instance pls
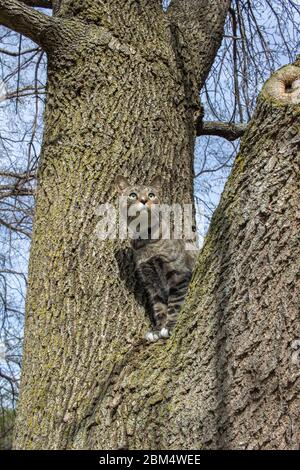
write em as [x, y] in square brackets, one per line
[197, 35]
[228, 377]
[116, 103]
[38, 3]
[195, 26]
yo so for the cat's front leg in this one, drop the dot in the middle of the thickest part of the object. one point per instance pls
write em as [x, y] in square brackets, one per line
[160, 312]
[179, 284]
[155, 284]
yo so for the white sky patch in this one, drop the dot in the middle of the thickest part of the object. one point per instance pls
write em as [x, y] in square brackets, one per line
[3, 91]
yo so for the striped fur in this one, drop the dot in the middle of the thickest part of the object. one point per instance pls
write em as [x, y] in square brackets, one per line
[164, 266]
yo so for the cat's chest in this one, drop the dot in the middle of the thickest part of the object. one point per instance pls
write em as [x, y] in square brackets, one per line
[167, 251]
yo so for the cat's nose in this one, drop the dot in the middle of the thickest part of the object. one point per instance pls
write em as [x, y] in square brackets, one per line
[143, 200]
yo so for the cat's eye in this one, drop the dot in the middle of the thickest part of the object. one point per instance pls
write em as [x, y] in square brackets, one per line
[151, 196]
[133, 196]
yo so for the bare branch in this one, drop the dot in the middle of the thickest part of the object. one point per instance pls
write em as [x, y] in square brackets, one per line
[18, 53]
[19, 176]
[7, 377]
[227, 130]
[25, 20]
[14, 228]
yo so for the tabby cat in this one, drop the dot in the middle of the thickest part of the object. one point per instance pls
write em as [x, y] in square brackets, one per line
[165, 266]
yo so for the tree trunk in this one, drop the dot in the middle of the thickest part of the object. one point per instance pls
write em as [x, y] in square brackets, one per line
[118, 102]
[122, 98]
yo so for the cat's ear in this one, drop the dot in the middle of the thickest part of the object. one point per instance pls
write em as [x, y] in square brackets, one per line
[157, 182]
[121, 183]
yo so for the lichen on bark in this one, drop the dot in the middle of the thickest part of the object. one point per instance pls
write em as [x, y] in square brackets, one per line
[225, 378]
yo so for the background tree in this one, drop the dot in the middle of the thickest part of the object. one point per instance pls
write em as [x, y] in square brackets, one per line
[74, 178]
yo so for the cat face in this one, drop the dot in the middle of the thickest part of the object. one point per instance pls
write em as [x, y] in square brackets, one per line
[139, 198]
[141, 205]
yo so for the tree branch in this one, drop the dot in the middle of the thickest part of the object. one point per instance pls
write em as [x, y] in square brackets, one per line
[38, 3]
[14, 228]
[227, 130]
[197, 27]
[25, 20]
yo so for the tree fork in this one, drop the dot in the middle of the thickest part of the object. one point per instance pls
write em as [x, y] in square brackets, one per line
[229, 376]
[226, 378]
[106, 113]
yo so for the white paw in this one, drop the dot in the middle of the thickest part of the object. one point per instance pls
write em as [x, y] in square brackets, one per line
[164, 333]
[151, 336]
